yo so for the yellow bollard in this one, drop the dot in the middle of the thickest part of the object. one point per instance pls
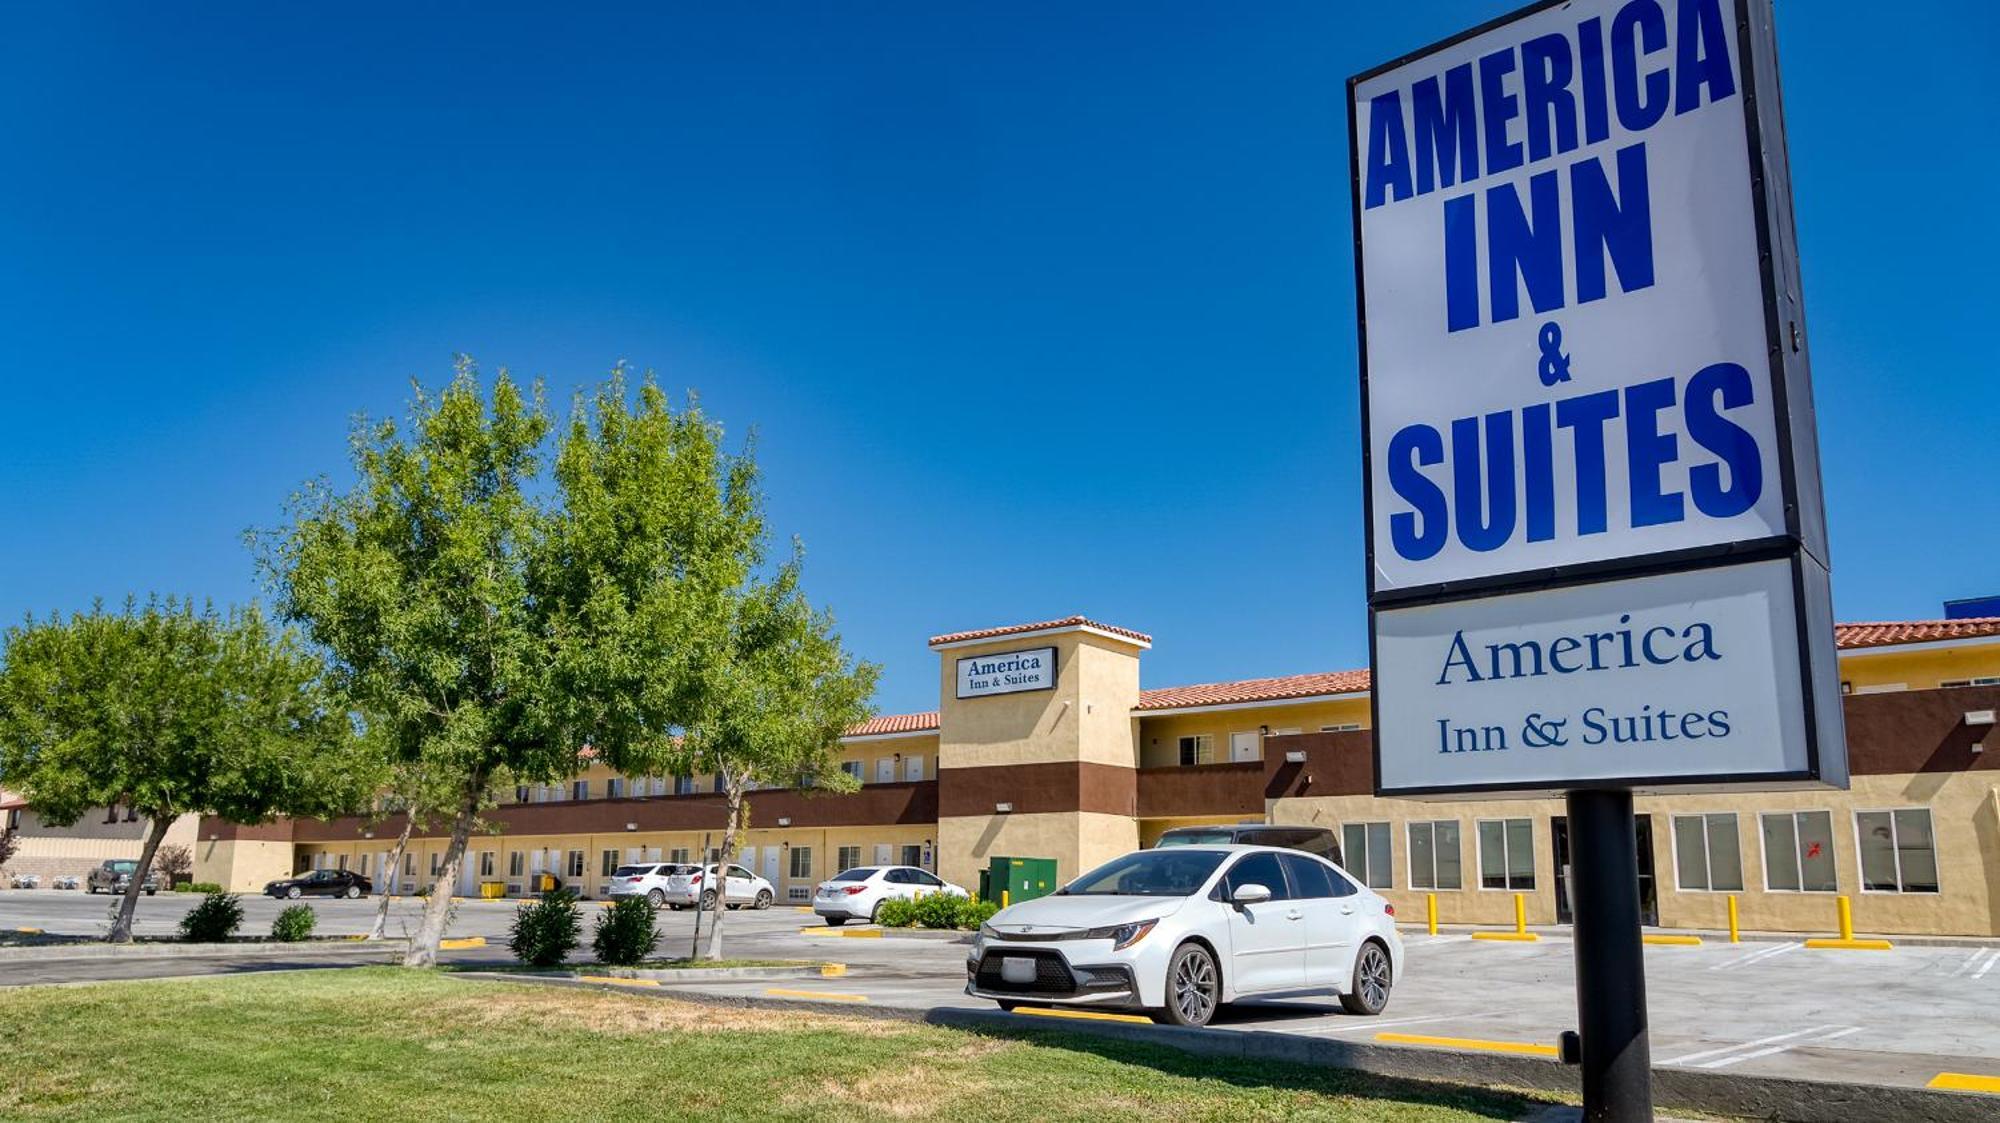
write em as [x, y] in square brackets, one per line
[1431, 912]
[1003, 898]
[1520, 914]
[1847, 939]
[1734, 936]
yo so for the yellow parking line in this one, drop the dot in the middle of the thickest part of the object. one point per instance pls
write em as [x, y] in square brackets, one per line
[1852, 945]
[618, 980]
[832, 970]
[850, 933]
[1088, 1015]
[1672, 941]
[1524, 1047]
[780, 992]
[462, 944]
[1966, 1082]
[30, 931]
[1509, 937]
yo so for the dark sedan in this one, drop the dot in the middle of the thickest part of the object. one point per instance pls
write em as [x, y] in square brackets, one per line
[322, 883]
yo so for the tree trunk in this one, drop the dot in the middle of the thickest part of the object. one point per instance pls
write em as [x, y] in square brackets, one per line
[424, 945]
[734, 788]
[392, 872]
[121, 928]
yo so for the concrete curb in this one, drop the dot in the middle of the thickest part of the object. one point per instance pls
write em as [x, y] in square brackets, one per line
[338, 946]
[1757, 1097]
[673, 974]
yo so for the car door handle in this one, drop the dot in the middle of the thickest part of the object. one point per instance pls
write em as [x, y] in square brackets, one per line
[1295, 915]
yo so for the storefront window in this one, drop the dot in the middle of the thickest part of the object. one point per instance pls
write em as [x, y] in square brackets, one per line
[1798, 852]
[1507, 854]
[1365, 850]
[1707, 855]
[1434, 860]
[1897, 851]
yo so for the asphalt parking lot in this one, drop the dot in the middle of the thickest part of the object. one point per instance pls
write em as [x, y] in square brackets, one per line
[1896, 1017]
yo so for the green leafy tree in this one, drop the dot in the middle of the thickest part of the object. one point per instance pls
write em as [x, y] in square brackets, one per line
[679, 649]
[785, 691]
[416, 580]
[172, 711]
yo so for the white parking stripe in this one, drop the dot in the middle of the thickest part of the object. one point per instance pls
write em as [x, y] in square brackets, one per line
[1725, 1062]
[1702, 1056]
[1758, 956]
[1990, 961]
[1971, 961]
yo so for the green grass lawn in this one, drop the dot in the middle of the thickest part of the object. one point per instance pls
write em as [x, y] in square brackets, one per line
[411, 1046]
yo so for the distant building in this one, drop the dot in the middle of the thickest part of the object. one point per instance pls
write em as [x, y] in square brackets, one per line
[101, 834]
[1045, 745]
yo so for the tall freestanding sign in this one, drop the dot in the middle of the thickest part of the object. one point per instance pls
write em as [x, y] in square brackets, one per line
[1596, 544]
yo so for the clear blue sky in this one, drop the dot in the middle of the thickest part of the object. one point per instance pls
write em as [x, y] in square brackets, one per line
[1037, 310]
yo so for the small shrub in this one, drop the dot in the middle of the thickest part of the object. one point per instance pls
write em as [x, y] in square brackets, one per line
[896, 913]
[547, 930]
[937, 910]
[626, 933]
[973, 912]
[198, 887]
[295, 923]
[213, 920]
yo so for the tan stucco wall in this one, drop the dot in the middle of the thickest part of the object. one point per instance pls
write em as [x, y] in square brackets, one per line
[1922, 669]
[1086, 717]
[1159, 737]
[241, 866]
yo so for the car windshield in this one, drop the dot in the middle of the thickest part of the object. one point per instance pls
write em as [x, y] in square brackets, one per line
[1148, 873]
[855, 875]
[1217, 837]
[121, 867]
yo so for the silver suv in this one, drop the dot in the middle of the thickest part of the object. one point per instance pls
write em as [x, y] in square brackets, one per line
[115, 874]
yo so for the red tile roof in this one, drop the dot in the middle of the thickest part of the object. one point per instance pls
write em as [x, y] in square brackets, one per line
[10, 800]
[1254, 690]
[889, 724]
[1886, 633]
[1016, 629]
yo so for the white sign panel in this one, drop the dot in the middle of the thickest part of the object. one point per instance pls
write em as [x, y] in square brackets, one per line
[1007, 673]
[1643, 681]
[1567, 359]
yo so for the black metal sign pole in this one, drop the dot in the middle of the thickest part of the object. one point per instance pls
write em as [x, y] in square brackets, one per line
[1610, 958]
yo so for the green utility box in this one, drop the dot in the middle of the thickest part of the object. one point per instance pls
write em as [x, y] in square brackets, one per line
[1020, 879]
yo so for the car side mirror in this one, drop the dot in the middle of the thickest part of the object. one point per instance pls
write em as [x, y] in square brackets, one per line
[1250, 894]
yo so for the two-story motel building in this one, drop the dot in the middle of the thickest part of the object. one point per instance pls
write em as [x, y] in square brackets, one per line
[1092, 765]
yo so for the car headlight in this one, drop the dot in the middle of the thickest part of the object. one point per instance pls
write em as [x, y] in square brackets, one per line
[987, 932]
[1122, 936]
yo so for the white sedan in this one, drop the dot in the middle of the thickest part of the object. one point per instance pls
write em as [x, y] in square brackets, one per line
[693, 885]
[1178, 932]
[856, 894]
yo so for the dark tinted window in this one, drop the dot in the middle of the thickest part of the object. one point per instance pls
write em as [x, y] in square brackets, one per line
[1309, 878]
[900, 877]
[1341, 886]
[1257, 869]
[862, 874]
[1204, 837]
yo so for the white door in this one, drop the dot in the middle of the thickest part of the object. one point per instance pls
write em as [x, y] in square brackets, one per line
[882, 851]
[1245, 747]
[771, 856]
[1267, 940]
[885, 770]
[1332, 920]
[913, 768]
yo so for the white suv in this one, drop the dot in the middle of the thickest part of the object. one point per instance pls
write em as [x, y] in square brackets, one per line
[856, 894]
[648, 880]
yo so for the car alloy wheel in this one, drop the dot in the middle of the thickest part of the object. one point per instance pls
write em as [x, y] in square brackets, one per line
[293, 893]
[353, 892]
[658, 898]
[1193, 986]
[763, 899]
[1370, 991]
[708, 900]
